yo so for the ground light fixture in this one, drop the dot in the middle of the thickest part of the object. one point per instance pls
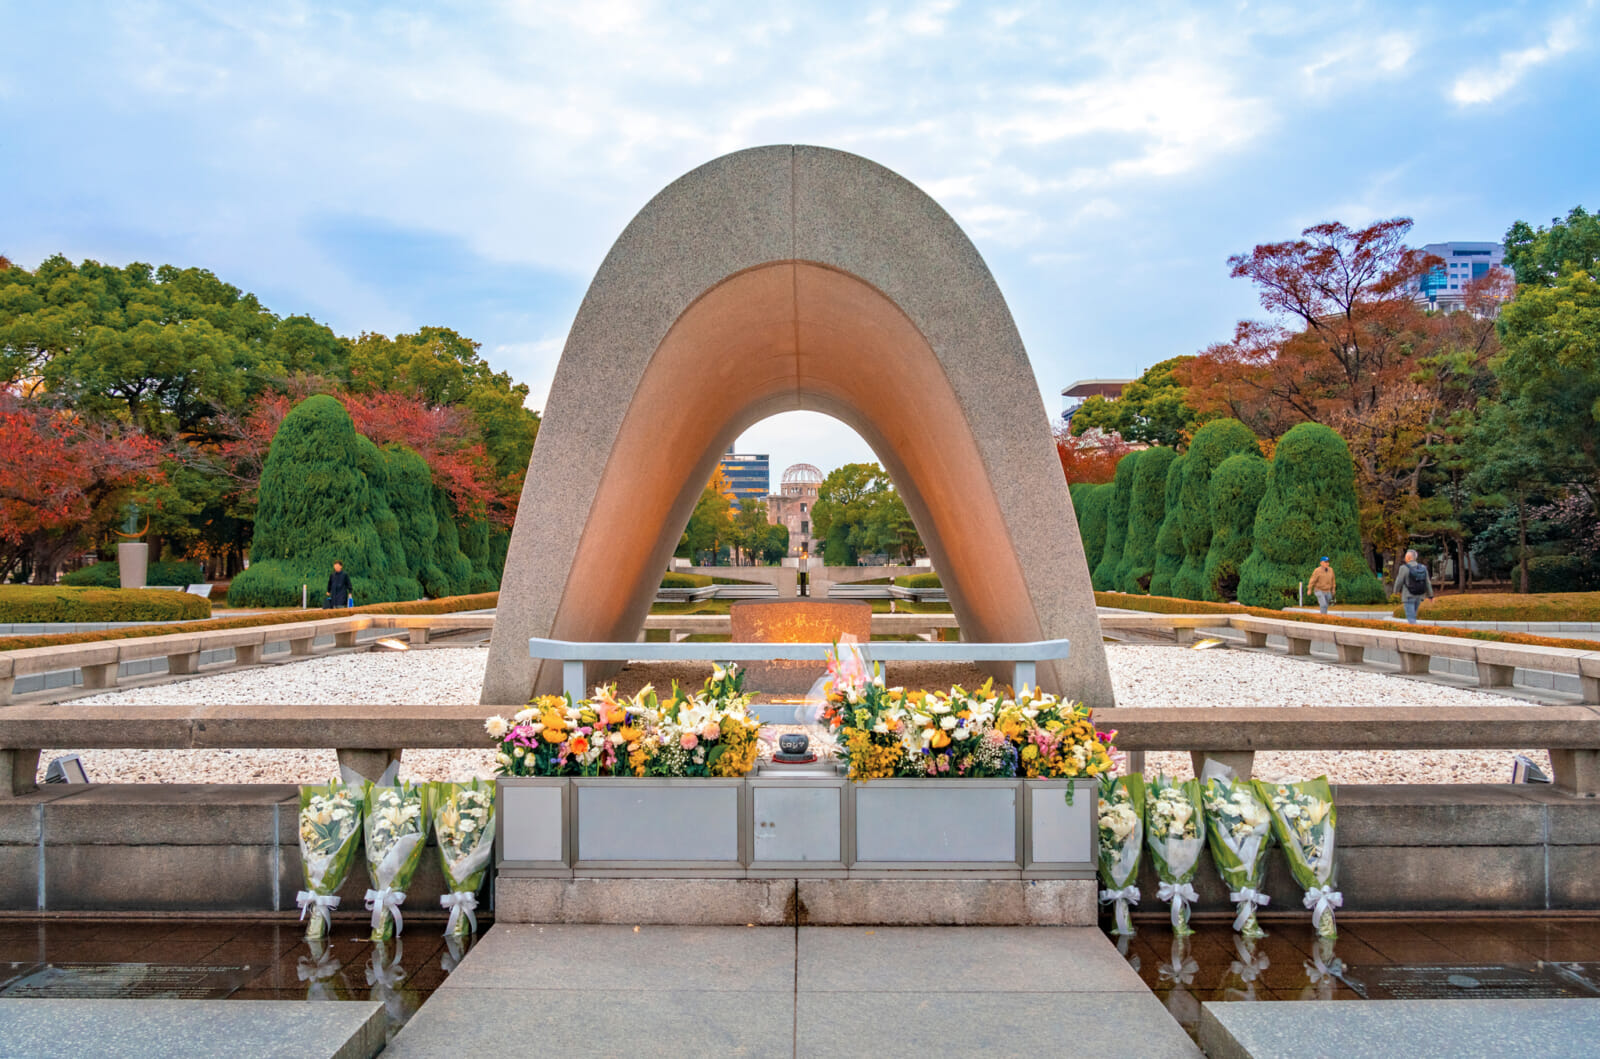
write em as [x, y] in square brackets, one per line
[390, 643]
[66, 769]
[1207, 644]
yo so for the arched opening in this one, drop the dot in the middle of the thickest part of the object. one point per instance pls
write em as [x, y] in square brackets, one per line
[780, 279]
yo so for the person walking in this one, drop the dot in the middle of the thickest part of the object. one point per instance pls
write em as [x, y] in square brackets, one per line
[339, 587]
[1322, 584]
[1413, 584]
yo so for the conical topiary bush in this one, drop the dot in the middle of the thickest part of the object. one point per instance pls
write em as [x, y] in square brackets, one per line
[1236, 488]
[1105, 572]
[1169, 538]
[1212, 444]
[1146, 512]
[1307, 511]
[1092, 522]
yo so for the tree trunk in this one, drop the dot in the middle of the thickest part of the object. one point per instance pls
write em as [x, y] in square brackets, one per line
[1522, 543]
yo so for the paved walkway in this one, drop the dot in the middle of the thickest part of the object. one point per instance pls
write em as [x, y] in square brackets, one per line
[779, 991]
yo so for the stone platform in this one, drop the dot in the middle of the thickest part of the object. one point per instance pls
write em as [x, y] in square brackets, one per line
[1418, 1029]
[191, 1029]
[781, 991]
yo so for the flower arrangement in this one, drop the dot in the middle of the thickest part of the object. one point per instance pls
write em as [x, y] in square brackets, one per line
[1175, 831]
[710, 733]
[396, 829]
[463, 820]
[887, 732]
[330, 831]
[1303, 819]
[1240, 828]
[1121, 840]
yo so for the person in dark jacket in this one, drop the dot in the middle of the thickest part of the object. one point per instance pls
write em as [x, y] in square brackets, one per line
[1413, 585]
[339, 587]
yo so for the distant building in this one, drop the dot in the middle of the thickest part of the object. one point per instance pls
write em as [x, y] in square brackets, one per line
[749, 475]
[1444, 287]
[791, 506]
[1073, 396]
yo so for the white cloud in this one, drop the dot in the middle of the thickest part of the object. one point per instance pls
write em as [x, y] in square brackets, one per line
[1485, 85]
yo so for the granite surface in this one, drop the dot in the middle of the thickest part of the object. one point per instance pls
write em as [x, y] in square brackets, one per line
[191, 1029]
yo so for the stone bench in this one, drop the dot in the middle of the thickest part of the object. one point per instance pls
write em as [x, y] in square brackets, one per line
[1233, 735]
[1184, 627]
[365, 737]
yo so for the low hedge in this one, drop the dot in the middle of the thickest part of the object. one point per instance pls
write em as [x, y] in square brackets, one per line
[1509, 606]
[109, 575]
[448, 605]
[1168, 605]
[1562, 573]
[676, 580]
[41, 603]
[919, 581]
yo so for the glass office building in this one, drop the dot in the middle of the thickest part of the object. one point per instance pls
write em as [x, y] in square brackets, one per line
[748, 474]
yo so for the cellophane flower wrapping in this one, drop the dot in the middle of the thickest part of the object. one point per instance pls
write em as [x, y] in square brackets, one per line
[463, 826]
[1303, 818]
[1240, 828]
[396, 832]
[1175, 834]
[708, 733]
[1121, 841]
[885, 732]
[330, 834]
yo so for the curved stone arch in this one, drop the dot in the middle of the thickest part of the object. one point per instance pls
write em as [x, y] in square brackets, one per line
[770, 280]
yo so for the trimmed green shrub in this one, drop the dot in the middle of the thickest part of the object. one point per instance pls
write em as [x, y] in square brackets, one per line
[1092, 523]
[1212, 444]
[475, 535]
[447, 554]
[1105, 572]
[1146, 512]
[1236, 488]
[1308, 511]
[672, 579]
[26, 604]
[1562, 573]
[1514, 606]
[109, 575]
[930, 580]
[1169, 538]
[318, 503]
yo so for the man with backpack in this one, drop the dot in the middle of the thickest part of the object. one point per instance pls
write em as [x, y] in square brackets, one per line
[1413, 584]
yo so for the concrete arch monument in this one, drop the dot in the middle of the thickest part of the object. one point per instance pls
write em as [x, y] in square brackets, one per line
[774, 279]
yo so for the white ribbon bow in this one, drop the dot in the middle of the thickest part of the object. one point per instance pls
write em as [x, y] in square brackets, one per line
[1180, 971]
[1322, 900]
[1123, 897]
[462, 903]
[1250, 963]
[319, 969]
[1178, 894]
[379, 901]
[1246, 899]
[317, 904]
[386, 973]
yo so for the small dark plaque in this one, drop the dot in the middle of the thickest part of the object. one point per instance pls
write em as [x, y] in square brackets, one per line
[1534, 981]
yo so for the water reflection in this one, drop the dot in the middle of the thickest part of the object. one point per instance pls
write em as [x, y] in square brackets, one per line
[1371, 960]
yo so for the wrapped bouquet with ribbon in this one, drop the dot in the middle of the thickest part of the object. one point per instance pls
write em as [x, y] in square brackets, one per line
[1175, 832]
[463, 820]
[330, 833]
[1303, 818]
[1240, 828]
[1121, 841]
[396, 829]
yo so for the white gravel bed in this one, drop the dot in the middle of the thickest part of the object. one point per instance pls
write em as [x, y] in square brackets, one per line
[1152, 676]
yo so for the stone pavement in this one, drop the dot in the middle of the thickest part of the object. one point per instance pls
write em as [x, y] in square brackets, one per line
[781, 991]
[190, 1029]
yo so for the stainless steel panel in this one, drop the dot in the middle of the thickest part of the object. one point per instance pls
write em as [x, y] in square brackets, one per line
[530, 822]
[637, 821]
[921, 822]
[797, 823]
[1062, 833]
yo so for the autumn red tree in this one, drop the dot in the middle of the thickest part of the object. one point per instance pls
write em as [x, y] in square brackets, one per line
[63, 482]
[1090, 459]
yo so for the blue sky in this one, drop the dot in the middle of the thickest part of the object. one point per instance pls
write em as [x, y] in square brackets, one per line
[387, 166]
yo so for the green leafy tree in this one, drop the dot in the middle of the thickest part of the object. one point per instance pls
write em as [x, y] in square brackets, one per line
[1212, 444]
[318, 504]
[1091, 505]
[1236, 489]
[1539, 256]
[1105, 574]
[859, 511]
[709, 526]
[1147, 510]
[1307, 511]
[1153, 408]
[1169, 538]
[776, 545]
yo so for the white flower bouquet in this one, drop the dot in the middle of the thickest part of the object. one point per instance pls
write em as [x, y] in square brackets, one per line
[1121, 841]
[1303, 818]
[396, 828]
[330, 832]
[463, 821]
[1175, 832]
[1240, 827]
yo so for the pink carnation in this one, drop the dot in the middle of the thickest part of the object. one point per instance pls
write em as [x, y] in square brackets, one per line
[711, 731]
[688, 742]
